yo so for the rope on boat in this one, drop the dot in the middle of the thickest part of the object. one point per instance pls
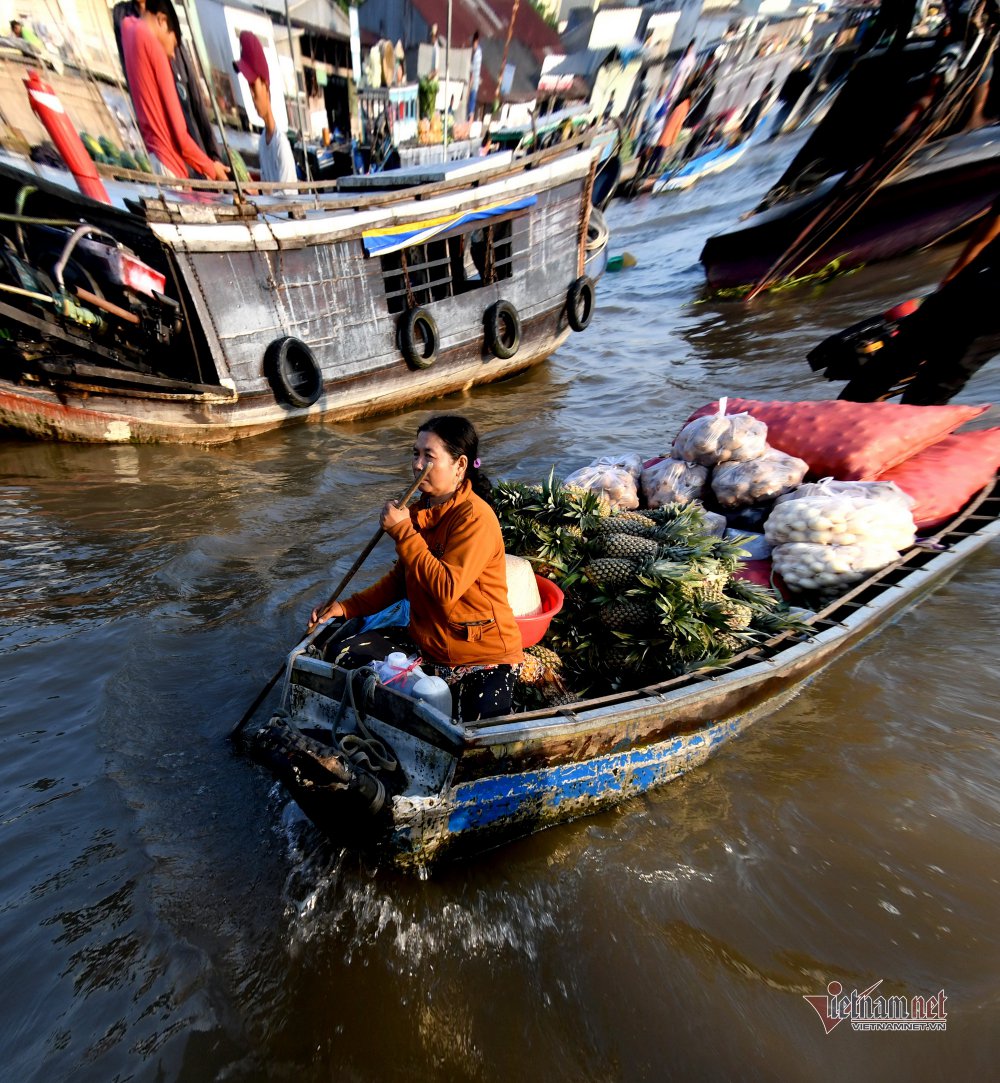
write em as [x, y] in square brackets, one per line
[835, 215]
[363, 749]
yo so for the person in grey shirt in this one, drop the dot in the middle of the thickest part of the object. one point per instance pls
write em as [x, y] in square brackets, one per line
[277, 163]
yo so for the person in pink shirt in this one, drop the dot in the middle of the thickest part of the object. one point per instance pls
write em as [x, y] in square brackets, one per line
[148, 43]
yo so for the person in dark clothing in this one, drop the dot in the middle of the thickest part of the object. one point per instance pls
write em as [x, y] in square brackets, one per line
[753, 114]
[193, 105]
[954, 332]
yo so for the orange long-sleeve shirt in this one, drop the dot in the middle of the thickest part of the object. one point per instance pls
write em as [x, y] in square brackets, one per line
[451, 567]
[157, 107]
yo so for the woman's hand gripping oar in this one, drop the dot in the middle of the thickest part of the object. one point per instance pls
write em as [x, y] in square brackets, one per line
[365, 553]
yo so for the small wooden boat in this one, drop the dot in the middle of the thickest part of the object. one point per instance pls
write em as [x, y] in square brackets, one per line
[456, 789]
[716, 160]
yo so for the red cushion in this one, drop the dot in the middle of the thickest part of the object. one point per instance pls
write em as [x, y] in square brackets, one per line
[851, 441]
[762, 573]
[943, 477]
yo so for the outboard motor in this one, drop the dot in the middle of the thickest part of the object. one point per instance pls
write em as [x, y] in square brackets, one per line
[843, 355]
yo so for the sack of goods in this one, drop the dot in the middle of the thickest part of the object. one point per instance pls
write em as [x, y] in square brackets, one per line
[809, 566]
[833, 533]
[522, 587]
[742, 484]
[843, 513]
[673, 481]
[615, 477]
[721, 438]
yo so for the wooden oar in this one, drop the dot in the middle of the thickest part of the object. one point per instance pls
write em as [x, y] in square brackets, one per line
[365, 553]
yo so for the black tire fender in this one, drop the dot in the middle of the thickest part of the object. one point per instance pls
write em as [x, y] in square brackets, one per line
[503, 330]
[419, 338]
[292, 372]
[580, 303]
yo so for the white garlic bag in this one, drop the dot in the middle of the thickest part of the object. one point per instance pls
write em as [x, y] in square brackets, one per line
[809, 566]
[843, 513]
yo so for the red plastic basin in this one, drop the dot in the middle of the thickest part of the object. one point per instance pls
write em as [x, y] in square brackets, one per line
[534, 628]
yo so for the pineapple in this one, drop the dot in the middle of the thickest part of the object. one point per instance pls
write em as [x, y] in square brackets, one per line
[586, 500]
[545, 657]
[532, 671]
[610, 573]
[560, 697]
[626, 614]
[727, 643]
[628, 522]
[629, 547]
[737, 615]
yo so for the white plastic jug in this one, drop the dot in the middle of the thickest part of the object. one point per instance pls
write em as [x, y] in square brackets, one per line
[435, 691]
[389, 672]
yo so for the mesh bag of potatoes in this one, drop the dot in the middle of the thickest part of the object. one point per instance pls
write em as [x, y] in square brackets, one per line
[843, 513]
[673, 481]
[721, 438]
[810, 566]
[743, 484]
[617, 479]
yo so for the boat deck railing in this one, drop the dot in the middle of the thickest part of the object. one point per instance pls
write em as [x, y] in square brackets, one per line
[308, 193]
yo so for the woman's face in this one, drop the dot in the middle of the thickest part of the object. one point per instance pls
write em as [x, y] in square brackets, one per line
[446, 473]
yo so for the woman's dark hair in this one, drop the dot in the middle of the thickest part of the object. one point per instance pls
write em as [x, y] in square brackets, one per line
[459, 437]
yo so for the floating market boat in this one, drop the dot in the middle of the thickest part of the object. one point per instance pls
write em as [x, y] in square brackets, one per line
[194, 318]
[712, 161]
[458, 789]
[716, 160]
[946, 186]
[185, 311]
[889, 169]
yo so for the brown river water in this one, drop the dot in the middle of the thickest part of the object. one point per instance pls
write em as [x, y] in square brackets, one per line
[165, 915]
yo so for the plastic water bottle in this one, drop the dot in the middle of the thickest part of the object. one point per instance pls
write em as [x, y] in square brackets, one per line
[435, 691]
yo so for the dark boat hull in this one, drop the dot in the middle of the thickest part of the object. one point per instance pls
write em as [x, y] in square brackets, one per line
[926, 204]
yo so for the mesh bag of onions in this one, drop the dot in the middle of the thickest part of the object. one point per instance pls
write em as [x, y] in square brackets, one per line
[721, 438]
[617, 479]
[673, 481]
[742, 484]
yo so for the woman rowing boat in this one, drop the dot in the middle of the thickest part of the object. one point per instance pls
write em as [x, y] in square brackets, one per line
[451, 568]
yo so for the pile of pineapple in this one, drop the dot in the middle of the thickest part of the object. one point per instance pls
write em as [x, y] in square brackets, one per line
[648, 595]
[430, 130]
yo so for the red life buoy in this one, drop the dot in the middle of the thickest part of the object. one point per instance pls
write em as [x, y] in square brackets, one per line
[49, 110]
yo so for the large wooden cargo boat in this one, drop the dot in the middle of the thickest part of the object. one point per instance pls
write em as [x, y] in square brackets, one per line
[897, 163]
[193, 316]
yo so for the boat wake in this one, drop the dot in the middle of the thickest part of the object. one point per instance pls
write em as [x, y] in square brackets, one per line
[331, 893]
